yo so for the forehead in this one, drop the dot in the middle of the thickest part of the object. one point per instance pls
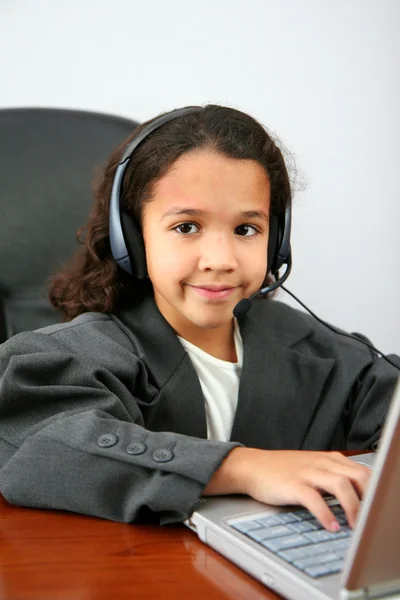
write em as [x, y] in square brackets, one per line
[205, 179]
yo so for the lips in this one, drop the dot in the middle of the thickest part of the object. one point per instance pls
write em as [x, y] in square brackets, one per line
[213, 292]
[214, 288]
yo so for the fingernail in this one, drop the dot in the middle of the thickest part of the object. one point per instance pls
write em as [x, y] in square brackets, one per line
[335, 526]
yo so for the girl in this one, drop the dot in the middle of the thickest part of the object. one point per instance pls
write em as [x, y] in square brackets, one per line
[152, 394]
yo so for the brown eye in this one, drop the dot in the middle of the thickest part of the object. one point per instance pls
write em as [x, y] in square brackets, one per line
[246, 230]
[187, 228]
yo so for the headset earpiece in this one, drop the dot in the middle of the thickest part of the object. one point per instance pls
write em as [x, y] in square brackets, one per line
[279, 241]
[273, 241]
[135, 246]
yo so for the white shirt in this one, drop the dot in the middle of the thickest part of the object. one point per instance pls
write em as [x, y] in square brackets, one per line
[219, 380]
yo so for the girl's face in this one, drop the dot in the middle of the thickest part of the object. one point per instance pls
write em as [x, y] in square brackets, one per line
[206, 238]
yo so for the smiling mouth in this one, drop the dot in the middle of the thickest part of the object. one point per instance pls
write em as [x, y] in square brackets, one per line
[213, 292]
[214, 288]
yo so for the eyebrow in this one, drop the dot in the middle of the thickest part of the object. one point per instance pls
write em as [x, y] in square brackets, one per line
[193, 212]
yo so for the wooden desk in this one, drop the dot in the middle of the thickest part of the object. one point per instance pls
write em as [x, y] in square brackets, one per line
[53, 555]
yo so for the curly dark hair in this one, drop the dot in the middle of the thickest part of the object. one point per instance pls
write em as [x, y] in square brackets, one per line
[92, 281]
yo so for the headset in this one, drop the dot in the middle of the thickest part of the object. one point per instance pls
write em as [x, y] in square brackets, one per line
[127, 245]
[126, 239]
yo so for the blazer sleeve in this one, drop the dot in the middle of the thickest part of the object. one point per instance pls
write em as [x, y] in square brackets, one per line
[368, 403]
[72, 437]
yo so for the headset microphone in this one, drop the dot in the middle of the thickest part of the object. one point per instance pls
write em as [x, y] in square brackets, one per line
[244, 305]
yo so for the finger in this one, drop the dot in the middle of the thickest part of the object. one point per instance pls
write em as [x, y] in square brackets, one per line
[359, 475]
[313, 501]
[359, 478]
[342, 488]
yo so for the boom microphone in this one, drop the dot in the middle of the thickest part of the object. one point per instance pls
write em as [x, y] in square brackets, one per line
[244, 305]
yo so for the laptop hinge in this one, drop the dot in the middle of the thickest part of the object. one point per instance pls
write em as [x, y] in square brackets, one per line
[374, 592]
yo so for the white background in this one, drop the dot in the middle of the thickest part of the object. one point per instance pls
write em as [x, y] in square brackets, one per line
[322, 75]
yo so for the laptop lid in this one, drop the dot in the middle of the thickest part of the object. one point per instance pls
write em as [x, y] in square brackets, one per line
[373, 562]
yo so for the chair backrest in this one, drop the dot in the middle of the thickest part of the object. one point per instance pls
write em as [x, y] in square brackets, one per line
[48, 159]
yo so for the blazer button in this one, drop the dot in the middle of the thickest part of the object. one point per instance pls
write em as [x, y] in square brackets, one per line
[136, 448]
[107, 440]
[163, 455]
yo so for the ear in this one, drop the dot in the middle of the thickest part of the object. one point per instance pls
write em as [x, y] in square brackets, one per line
[135, 246]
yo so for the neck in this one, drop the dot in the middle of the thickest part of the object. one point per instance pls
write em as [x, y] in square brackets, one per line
[216, 342]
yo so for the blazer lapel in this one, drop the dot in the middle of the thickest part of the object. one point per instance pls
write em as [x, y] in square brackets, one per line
[280, 387]
[176, 401]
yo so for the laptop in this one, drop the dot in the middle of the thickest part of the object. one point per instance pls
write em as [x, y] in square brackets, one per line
[287, 549]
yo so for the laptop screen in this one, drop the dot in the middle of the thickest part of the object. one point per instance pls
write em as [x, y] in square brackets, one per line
[374, 555]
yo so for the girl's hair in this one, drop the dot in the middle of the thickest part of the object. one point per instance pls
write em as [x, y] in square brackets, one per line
[92, 281]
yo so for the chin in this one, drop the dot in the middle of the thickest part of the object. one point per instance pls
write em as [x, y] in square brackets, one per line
[212, 322]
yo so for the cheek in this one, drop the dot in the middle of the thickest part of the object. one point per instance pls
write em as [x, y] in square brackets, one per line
[258, 270]
[164, 260]
[257, 260]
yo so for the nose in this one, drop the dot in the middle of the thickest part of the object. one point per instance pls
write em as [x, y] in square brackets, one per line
[218, 253]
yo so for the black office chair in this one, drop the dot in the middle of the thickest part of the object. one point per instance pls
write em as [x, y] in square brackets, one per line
[47, 163]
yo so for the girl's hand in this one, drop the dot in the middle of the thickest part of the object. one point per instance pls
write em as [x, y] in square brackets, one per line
[295, 477]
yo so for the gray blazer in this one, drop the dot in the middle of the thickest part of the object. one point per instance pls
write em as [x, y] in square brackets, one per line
[105, 415]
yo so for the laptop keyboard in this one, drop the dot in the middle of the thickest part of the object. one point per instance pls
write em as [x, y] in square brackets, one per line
[299, 539]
